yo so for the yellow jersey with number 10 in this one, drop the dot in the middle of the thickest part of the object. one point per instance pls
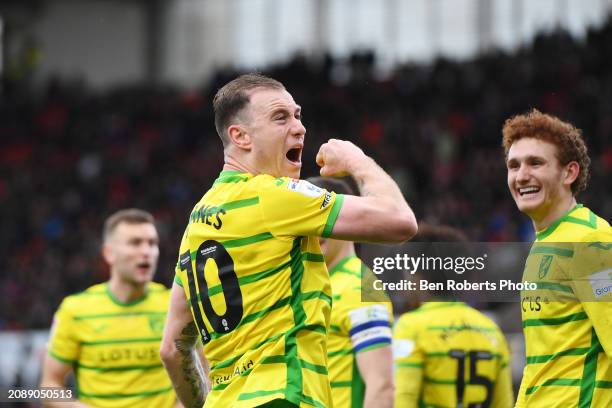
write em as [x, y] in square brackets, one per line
[259, 291]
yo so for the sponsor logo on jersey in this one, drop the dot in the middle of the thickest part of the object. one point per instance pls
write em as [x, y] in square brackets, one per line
[601, 282]
[156, 323]
[326, 200]
[304, 187]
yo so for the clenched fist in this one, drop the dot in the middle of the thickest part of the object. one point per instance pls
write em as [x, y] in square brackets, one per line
[338, 158]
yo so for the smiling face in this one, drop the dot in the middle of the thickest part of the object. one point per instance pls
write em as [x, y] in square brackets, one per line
[273, 122]
[132, 251]
[539, 184]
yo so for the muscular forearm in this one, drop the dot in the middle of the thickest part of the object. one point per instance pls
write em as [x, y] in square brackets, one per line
[373, 181]
[184, 369]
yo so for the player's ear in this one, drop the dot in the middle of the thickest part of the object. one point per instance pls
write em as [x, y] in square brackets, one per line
[570, 173]
[239, 137]
[108, 253]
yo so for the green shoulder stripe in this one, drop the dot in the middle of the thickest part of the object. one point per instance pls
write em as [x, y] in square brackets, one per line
[232, 243]
[233, 205]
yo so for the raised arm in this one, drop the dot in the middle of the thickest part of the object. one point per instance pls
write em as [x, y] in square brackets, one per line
[381, 214]
[179, 352]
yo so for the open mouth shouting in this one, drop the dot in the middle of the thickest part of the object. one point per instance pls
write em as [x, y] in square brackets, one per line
[294, 155]
[143, 266]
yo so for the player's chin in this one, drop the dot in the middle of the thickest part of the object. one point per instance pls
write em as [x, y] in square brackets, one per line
[293, 169]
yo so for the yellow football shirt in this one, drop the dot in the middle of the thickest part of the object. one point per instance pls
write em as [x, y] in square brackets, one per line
[448, 354]
[356, 327]
[258, 287]
[568, 332]
[114, 347]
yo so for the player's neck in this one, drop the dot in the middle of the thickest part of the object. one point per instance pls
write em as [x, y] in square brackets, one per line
[126, 292]
[557, 212]
[232, 162]
[344, 251]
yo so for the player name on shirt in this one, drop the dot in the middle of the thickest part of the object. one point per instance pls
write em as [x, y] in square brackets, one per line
[207, 214]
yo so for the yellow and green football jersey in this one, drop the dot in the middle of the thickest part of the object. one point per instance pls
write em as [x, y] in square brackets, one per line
[259, 290]
[114, 347]
[448, 354]
[567, 321]
[356, 327]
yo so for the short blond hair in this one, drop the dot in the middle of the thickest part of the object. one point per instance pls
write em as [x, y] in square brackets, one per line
[128, 216]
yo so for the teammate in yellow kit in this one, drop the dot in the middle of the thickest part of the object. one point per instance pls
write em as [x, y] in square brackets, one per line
[448, 354]
[254, 284]
[109, 334]
[568, 331]
[359, 343]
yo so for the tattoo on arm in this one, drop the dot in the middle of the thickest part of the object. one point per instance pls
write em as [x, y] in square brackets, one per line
[193, 374]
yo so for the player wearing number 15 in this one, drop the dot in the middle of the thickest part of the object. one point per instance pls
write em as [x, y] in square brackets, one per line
[254, 283]
[448, 354]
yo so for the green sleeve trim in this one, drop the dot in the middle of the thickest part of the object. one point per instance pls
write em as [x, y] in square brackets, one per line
[374, 346]
[333, 216]
[178, 281]
[62, 359]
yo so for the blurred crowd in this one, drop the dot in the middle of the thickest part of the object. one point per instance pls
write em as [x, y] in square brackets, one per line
[70, 156]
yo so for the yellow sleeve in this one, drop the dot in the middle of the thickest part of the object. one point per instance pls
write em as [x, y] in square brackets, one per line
[293, 207]
[503, 394]
[593, 283]
[183, 264]
[409, 361]
[64, 344]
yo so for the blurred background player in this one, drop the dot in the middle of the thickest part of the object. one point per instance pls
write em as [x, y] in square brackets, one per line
[360, 358]
[568, 342]
[448, 354]
[250, 263]
[109, 334]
